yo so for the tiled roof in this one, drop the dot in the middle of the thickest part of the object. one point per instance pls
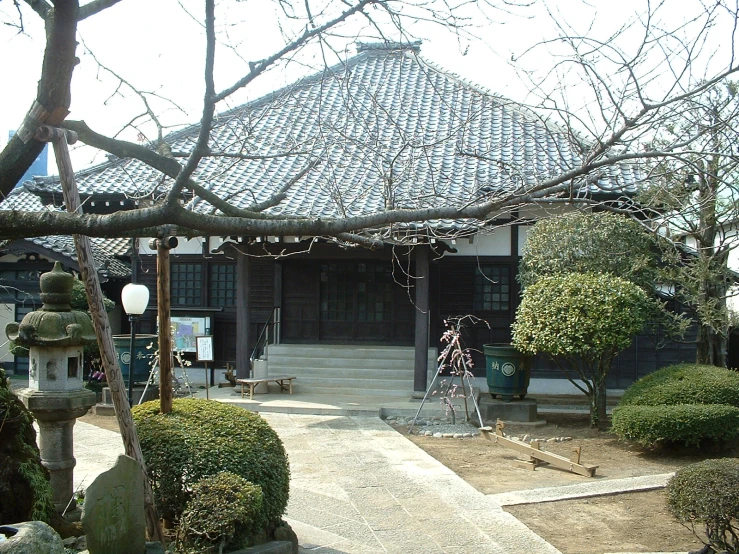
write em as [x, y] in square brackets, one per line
[389, 130]
[104, 251]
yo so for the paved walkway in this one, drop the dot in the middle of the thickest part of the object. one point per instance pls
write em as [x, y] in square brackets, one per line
[357, 486]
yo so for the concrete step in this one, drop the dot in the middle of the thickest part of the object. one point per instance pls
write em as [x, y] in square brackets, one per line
[379, 384]
[347, 369]
[349, 372]
[341, 363]
[345, 351]
[348, 388]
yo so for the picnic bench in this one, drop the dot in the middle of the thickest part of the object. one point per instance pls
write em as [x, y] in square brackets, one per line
[285, 382]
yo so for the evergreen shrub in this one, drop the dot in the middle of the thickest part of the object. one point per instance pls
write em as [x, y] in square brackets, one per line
[688, 424]
[201, 438]
[706, 494]
[685, 384]
[225, 511]
[682, 404]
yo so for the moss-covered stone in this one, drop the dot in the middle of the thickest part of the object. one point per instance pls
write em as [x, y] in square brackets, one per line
[24, 483]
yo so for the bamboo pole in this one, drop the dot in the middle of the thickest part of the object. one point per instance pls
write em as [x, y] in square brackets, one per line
[89, 275]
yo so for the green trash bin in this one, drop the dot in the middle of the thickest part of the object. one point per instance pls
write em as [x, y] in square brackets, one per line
[507, 371]
[143, 356]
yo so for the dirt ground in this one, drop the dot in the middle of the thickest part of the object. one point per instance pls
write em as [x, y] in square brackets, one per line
[630, 522]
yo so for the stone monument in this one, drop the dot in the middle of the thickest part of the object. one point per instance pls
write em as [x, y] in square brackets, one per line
[55, 336]
[113, 512]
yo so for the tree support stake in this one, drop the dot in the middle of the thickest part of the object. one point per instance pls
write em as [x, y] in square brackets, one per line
[60, 138]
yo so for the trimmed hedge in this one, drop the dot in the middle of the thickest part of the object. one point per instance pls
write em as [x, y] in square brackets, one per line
[202, 438]
[688, 424]
[225, 511]
[685, 384]
[707, 493]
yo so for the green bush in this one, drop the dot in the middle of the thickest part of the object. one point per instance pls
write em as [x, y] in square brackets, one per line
[685, 384]
[707, 494]
[225, 511]
[688, 424]
[581, 321]
[200, 438]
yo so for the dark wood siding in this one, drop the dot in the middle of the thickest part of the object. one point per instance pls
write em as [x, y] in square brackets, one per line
[453, 294]
[344, 301]
[300, 290]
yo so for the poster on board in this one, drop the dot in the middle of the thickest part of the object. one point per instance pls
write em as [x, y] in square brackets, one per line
[185, 329]
[204, 346]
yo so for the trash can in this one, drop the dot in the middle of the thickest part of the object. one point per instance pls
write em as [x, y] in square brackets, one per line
[143, 356]
[507, 371]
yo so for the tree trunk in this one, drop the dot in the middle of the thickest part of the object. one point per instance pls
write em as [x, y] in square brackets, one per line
[598, 415]
[105, 336]
[53, 95]
[711, 347]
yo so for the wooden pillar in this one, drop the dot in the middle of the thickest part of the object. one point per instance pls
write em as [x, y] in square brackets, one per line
[165, 331]
[420, 373]
[243, 288]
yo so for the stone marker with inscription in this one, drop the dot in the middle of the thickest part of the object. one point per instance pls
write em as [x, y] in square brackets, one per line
[113, 511]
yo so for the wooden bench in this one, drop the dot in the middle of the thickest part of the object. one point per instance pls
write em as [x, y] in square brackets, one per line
[285, 382]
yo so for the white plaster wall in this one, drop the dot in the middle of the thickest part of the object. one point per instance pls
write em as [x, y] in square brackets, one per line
[497, 243]
[545, 387]
[185, 246]
[214, 243]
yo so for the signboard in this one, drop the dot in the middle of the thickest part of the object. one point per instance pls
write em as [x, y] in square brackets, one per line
[204, 347]
[185, 329]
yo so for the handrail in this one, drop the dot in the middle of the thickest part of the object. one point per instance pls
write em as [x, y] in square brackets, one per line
[262, 334]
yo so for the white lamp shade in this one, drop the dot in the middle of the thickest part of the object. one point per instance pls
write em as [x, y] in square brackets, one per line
[134, 298]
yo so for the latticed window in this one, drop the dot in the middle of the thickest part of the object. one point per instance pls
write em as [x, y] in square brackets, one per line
[374, 292]
[337, 287]
[186, 283]
[492, 288]
[222, 284]
[360, 291]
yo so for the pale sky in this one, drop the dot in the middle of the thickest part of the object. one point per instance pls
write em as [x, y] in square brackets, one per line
[159, 48]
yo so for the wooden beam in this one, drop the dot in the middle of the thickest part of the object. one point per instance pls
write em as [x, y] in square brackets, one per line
[243, 321]
[103, 331]
[421, 363]
[165, 331]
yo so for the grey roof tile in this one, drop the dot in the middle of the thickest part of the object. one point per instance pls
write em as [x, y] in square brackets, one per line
[385, 113]
[105, 251]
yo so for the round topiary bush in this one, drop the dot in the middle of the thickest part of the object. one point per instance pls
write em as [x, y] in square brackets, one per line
[688, 424]
[685, 384]
[707, 494]
[201, 438]
[225, 511]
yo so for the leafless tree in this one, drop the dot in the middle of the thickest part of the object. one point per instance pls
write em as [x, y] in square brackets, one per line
[695, 195]
[634, 87]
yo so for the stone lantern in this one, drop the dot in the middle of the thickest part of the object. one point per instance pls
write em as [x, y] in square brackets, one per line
[55, 336]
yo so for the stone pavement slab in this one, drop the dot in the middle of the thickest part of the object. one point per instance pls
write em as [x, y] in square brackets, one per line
[358, 486]
[583, 490]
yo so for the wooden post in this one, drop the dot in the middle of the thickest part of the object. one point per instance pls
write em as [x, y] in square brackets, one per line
[100, 320]
[420, 372]
[243, 354]
[165, 331]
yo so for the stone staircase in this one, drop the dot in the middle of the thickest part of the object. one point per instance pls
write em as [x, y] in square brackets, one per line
[347, 369]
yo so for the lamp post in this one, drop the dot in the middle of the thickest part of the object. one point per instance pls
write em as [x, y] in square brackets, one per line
[134, 298]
